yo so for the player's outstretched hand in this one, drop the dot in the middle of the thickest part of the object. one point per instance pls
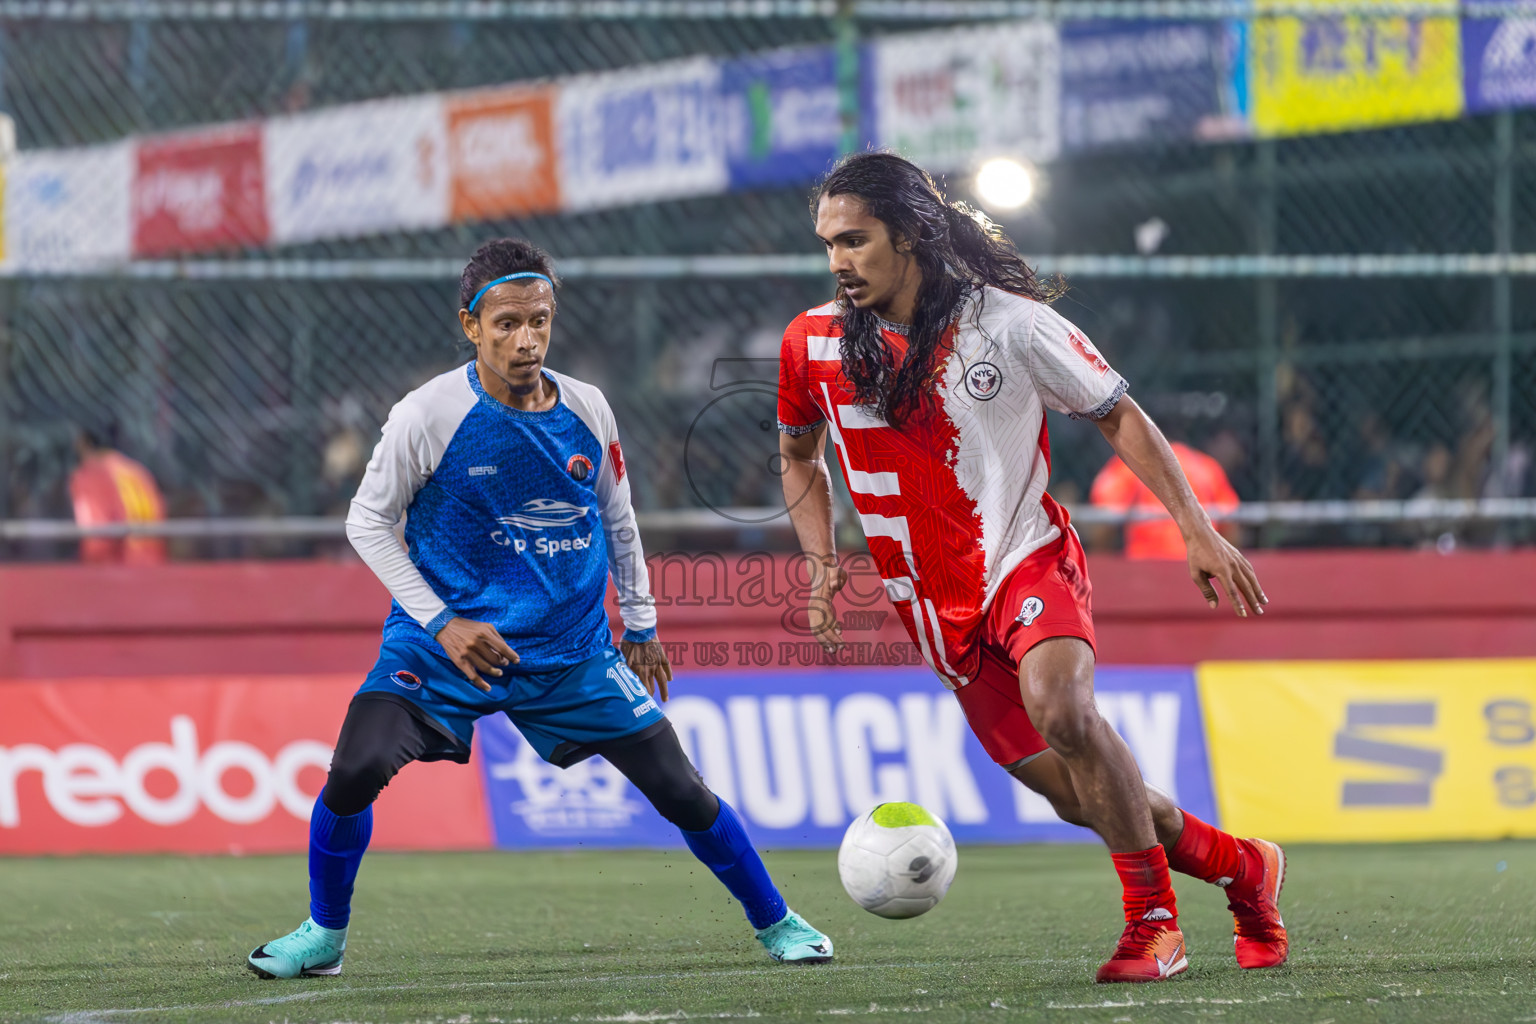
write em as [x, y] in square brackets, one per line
[1212, 557]
[827, 578]
[649, 662]
[476, 647]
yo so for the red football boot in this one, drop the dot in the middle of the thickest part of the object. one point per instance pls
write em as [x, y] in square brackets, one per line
[1254, 900]
[1148, 951]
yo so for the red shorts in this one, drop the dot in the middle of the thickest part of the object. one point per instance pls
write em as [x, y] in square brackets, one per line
[1047, 595]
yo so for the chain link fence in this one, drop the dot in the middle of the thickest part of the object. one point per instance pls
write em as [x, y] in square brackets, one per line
[254, 383]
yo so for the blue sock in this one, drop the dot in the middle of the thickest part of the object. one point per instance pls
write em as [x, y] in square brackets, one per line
[725, 849]
[336, 848]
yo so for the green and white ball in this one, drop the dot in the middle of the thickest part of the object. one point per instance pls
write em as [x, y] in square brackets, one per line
[897, 860]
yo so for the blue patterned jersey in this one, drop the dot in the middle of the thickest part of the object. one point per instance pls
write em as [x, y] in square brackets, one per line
[512, 518]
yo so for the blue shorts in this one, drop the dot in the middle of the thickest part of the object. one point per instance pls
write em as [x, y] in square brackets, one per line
[561, 712]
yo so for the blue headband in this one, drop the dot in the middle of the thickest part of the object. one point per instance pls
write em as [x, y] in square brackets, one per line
[509, 277]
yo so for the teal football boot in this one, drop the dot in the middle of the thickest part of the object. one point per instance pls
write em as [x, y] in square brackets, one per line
[307, 950]
[792, 941]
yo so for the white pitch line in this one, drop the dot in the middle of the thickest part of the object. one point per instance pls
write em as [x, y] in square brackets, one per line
[631, 1017]
[875, 1008]
[658, 1017]
[102, 1016]
[1278, 997]
[96, 1016]
[604, 979]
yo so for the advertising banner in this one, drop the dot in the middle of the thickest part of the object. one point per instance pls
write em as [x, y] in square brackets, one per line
[1498, 60]
[943, 99]
[358, 169]
[68, 208]
[1337, 72]
[199, 765]
[780, 116]
[1136, 82]
[501, 153]
[800, 754]
[642, 135]
[1373, 750]
[199, 190]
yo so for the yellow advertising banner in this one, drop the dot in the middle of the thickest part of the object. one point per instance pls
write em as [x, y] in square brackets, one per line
[1334, 72]
[1373, 750]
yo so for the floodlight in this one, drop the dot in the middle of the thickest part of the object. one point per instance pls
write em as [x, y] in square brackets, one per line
[1004, 184]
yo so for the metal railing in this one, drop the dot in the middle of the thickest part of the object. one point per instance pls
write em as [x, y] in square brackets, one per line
[1257, 513]
[794, 264]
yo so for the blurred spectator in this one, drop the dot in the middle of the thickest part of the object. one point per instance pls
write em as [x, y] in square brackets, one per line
[341, 467]
[109, 487]
[1508, 478]
[344, 456]
[1116, 487]
[1305, 467]
[1436, 474]
[1473, 464]
[1381, 474]
[1228, 450]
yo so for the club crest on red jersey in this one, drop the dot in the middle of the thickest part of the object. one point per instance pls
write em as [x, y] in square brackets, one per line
[983, 381]
[1031, 610]
[1088, 352]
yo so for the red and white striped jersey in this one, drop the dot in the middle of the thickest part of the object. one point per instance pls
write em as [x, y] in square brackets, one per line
[953, 501]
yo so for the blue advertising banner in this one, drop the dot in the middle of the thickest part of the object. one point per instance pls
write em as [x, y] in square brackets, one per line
[1498, 62]
[800, 754]
[1135, 82]
[779, 113]
[640, 135]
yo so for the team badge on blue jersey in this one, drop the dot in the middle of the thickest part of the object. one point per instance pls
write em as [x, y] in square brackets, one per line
[580, 467]
[405, 680]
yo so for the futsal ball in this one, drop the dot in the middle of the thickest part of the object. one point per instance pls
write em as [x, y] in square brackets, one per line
[897, 860]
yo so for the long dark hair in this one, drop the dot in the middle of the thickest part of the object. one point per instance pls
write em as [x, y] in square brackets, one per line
[957, 249]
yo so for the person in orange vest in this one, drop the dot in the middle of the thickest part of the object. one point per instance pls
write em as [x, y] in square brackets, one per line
[109, 487]
[1116, 487]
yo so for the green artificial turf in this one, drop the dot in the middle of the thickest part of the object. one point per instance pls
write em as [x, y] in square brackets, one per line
[1441, 932]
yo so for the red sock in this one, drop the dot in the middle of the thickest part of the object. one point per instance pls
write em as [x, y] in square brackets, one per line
[1206, 852]
[1148, 889]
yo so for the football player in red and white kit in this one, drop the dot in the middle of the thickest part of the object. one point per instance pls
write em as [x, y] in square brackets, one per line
[931, 371]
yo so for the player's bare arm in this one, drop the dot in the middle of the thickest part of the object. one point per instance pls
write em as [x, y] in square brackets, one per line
[476, 647]
[808, 495]
[1136, 439]
[649, 662]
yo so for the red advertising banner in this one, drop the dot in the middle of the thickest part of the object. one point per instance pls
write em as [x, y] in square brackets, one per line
[200, 765]
[502, 154]
[199, 190]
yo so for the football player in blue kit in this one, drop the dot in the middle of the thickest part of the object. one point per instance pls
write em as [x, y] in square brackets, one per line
[517, 509]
